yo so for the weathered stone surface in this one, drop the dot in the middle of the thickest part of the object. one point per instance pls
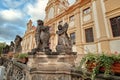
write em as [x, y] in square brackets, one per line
[18, 47]
[64, 42]
[12, 46]
[41, 58]
[18, 71]
[51, 77]
[51, 67]
[13, 70]
[42, 37]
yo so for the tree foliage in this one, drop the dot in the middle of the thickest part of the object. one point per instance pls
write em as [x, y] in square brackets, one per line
[2, 45]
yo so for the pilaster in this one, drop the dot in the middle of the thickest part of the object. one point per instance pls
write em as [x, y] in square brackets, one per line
[100, 26]
[78, 31]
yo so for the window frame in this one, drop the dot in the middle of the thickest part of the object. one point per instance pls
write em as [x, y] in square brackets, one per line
[73, 38]
[71, 18]
[89, 35]
[115, 26]
[86, 11]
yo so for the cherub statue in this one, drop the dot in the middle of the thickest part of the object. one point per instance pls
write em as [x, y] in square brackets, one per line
[64, 42]
[42, 36]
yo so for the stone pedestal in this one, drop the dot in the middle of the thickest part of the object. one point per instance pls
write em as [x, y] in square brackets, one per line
[51, 67]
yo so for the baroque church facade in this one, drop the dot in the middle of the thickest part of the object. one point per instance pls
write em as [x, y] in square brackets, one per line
[94, 25]
[28, 42]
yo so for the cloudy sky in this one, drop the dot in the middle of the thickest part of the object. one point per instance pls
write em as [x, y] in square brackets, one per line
[14, 14]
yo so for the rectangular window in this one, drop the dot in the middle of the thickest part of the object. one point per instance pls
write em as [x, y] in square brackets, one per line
[71, 18]
[115, 26]
[89, 35]
[86, 11]
[71, 21]
[72, 36]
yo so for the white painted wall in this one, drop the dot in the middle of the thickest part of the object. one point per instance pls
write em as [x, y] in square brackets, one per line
[90, 48]
[115, 46]
[87, 18]
[71, 24]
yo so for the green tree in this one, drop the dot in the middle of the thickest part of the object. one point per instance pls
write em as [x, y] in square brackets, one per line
[2, 45]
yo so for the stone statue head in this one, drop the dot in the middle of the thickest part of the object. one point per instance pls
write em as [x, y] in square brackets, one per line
[40, 22]
[17, 40]
[59, 27]
[11, 44]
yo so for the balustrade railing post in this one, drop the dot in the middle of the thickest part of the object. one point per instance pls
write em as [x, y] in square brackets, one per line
[2, 71]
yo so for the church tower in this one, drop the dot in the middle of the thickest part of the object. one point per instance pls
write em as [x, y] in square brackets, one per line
[29, 25]
[54, 7]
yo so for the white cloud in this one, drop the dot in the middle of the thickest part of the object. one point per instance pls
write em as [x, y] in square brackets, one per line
[11, 15]
[13, 3]
[37, 11]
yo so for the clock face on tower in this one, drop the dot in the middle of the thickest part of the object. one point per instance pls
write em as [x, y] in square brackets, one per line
[51, 13]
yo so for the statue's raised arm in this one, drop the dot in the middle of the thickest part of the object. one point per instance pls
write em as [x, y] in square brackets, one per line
[65, 27]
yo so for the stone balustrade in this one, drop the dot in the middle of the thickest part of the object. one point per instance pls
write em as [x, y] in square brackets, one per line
[51, 67]
[13, 70]
[46, 71]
